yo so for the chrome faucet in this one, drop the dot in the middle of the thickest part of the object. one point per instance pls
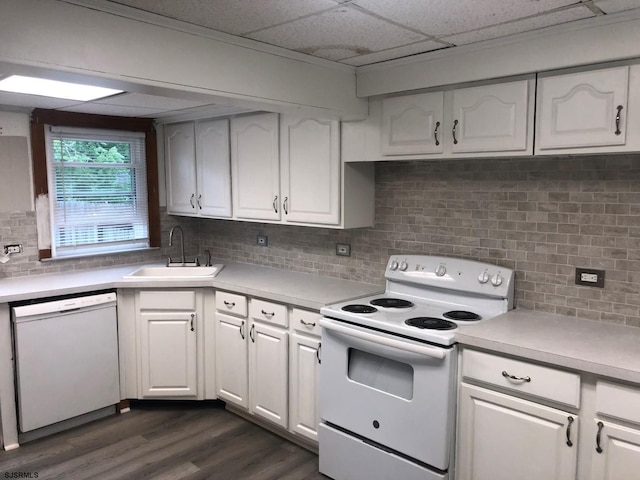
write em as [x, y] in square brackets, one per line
[181, 243]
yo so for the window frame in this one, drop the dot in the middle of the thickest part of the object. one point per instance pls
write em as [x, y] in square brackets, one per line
[41, 118]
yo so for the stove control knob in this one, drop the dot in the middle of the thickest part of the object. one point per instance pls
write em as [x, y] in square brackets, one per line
[404, 265]
[441, 270]
[394, 265]
[484, 277]
[497, 280]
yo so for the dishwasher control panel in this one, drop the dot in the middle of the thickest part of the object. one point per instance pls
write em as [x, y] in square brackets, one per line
[102, 299]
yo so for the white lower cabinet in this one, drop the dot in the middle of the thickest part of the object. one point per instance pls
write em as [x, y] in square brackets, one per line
[170, 343]
[502, 437]
[231, 359]
[304, 368]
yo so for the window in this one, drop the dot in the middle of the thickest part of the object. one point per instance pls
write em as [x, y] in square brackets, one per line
[97, 191]
[96, 183]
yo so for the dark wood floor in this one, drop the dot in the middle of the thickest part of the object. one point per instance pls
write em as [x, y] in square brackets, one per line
[163, 440]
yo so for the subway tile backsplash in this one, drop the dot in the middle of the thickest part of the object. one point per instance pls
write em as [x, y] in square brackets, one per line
[542, 217]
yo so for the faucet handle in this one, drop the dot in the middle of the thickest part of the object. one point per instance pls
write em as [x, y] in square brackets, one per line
[168, 260]
[197, 261]
[208, 252]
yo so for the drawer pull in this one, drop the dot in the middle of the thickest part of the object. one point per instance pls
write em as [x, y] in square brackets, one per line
[267, 314]
[569, 423]
[600, 427]
[506, 374]
[229, 304]
[308, 324]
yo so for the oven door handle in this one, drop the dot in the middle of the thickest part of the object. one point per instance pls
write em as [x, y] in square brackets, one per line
[427, 351]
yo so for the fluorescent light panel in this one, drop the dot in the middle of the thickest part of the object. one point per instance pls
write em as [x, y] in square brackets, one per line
[54, 88]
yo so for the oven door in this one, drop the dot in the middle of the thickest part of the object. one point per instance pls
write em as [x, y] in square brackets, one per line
[393, 391]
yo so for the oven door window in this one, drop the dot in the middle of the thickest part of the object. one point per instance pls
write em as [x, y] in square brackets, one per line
[384, 374]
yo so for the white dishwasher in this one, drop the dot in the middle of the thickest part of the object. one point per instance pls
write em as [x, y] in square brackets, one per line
[66, 358]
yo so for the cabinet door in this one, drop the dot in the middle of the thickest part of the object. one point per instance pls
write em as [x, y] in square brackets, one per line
[231, 359]
[412, 124]
[256, 167]
[180, 159]
[502, 437]
[586, 109]
[310, 170]
[168, 354]
[268, 366]
[304, 369]
[490, 118]
[214, 168]
[619, 458]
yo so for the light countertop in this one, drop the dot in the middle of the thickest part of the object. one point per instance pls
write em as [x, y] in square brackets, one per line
[578, 344]
[300, 289]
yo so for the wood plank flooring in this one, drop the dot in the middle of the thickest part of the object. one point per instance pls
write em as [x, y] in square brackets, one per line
[166, 441]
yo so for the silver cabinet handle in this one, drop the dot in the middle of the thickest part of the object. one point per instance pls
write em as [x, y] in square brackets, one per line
[285, 206]
[453, 132]
[275, 204]
[192, 317]
[308, 324]
[229, 304]
[253, 327]
[506, 374]
[569, 423]
[618, 131]
[242, 329]
[318, 353]
[267, 314]
[435, 133]
[199, 204]
[193, 195]
[600, 427]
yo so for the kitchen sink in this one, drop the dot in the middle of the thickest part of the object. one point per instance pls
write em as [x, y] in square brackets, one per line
[175, 272]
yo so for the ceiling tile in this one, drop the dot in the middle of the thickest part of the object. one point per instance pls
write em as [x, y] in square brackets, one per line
[149, 101]
[33, 101]
[447, 17]
[236, 17]
[117, 110]
[613, 6]
[392, 53]
[345, 30]
[520, 26]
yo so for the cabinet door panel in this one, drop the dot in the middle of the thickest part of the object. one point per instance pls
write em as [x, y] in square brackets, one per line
[310, 170]
[168, 355]
[412, 124]
[256, 167]
[180, 157]
[580, 110]
[214, 169]
[503, 437]
[491, 118]
[268, 367]
[620, 456]
[231, 359]
[304, 369]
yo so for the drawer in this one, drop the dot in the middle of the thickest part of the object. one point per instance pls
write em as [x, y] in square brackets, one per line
[305, 321]
[269, 312]
[619, 401]
[167, 300]
[537, 380]
[231, 303]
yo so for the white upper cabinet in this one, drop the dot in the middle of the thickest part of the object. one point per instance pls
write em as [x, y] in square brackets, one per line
[255, 164]
[412, 124]
[490, 118]
[586, 109]
[198, 169]
[482, 121]
[213, 168]
[310, 170]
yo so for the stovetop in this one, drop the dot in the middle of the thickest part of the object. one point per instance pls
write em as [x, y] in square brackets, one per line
[430, 298]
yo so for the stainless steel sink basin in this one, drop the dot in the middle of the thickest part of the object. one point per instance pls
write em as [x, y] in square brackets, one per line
[175, 272]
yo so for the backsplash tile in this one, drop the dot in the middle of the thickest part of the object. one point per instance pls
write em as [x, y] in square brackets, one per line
[542, 217]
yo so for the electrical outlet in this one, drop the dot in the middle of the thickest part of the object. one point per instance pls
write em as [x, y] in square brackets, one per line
[590, 277]
[343, 249]
[262, 240]
[15, 248]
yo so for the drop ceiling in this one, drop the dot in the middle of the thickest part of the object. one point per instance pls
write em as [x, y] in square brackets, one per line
[349, 32]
